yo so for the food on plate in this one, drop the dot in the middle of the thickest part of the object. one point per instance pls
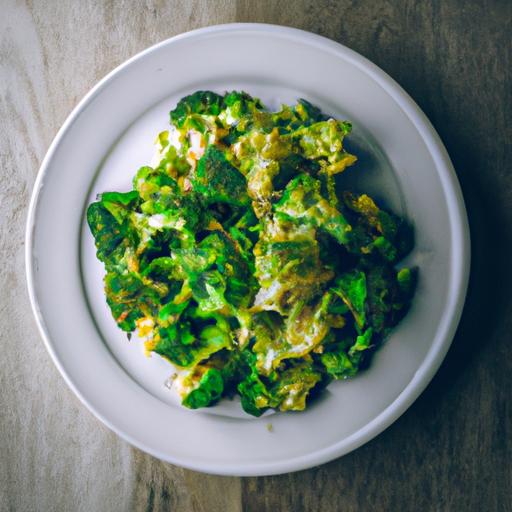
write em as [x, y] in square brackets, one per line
[240, 258]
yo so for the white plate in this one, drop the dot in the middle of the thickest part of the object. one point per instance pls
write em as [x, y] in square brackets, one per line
[110, 134]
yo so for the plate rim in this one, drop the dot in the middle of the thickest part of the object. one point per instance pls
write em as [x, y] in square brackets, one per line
[456, 211]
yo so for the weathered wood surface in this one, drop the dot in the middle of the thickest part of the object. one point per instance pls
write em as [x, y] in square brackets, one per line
[452, 450]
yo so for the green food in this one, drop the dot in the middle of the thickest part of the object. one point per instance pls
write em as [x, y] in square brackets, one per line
[240, 259]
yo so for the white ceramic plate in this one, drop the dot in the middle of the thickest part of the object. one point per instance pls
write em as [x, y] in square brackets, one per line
[110, 134]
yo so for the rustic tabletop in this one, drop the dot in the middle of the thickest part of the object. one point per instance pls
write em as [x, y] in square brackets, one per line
[452, 449]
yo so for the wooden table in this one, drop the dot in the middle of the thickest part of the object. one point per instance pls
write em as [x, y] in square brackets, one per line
[452, 450]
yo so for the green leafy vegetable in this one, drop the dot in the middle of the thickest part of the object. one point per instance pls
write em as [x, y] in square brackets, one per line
[218, 181]
[201, 102]
[351, 287]
[240, 258]
[302, 202]
[208, 391]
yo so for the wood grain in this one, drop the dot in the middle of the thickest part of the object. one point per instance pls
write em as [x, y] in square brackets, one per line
[452, 450]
